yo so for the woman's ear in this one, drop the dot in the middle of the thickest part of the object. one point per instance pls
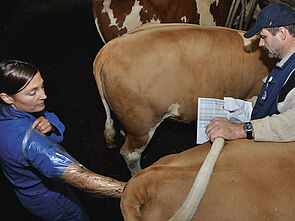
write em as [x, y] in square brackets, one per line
[6, 98]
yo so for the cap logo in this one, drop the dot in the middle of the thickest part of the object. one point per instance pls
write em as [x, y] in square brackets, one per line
[270, 23]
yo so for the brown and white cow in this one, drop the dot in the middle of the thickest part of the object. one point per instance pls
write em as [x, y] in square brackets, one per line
[251, 181]
[114, 18]
[160, 70]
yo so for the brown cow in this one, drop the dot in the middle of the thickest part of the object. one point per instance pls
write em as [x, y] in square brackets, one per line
[251, 181]
[116, 17]
[160, 70]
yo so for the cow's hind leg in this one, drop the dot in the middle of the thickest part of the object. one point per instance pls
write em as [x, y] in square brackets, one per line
[131, 151]
[133, 147]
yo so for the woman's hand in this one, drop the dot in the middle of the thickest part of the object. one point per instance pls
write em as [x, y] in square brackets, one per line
[42, 125]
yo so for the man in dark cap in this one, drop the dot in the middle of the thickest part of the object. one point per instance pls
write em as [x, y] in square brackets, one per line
[273, 116]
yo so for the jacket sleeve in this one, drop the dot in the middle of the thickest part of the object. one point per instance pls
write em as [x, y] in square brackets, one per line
[59, 128]
[277, 128]
[44, 154]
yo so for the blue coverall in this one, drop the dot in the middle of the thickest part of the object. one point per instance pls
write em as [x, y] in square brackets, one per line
[34, 163]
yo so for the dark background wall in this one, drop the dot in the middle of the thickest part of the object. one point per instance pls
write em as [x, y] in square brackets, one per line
[60, 38]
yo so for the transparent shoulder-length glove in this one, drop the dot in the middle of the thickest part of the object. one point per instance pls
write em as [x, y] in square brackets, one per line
[53, 161]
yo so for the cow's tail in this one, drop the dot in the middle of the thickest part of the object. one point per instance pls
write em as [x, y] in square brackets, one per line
[188, 209]
[109, 132]
[95, 9]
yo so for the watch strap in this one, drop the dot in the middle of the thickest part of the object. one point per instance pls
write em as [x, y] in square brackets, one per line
[248, 128]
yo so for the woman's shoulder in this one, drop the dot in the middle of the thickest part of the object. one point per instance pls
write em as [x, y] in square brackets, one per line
[11, 139]
[14, 129]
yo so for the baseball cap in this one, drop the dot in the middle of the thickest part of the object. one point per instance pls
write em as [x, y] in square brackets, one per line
[273, 15]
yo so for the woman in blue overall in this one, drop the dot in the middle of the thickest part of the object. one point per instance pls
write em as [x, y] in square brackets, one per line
[31, 158]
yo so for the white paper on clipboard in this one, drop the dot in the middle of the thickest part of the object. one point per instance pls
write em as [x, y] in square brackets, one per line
[236, 110]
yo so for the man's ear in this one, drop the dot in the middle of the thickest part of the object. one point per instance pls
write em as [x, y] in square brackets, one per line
[283, 32]
[6, 98]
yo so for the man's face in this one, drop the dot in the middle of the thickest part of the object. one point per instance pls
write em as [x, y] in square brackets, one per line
[31, 98]
[270, 43]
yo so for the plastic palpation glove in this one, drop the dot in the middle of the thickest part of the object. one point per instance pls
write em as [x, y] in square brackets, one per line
[45, 154]
[53, 161]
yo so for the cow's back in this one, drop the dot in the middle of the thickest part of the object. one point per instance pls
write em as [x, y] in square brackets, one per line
[251, 181]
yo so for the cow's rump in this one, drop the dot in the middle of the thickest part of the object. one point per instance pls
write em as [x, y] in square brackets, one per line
[251, 181]
[160, 70]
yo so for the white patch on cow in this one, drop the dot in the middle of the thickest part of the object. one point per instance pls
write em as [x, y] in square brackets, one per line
[132, 20]
[99, 32]
[171, 112]
[247, 41]
[133, 160]
[155, 21]
[184, 19]
[203, 7]
[109, 11]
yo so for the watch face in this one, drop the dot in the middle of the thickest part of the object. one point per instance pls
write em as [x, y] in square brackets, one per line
[248, 127]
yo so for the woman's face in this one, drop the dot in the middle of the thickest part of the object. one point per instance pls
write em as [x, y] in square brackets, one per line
[31, 98]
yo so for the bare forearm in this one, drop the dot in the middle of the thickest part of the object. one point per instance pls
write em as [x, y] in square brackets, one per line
[91, 182]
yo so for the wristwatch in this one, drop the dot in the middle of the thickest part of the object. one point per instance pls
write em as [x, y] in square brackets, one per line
[248, 128]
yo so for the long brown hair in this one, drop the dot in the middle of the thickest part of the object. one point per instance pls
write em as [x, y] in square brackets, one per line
[14, 76]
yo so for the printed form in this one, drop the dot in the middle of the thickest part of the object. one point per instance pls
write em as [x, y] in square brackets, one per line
[236, 110]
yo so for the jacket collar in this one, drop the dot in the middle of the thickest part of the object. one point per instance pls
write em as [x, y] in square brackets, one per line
[16, 114]
[281, 63]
